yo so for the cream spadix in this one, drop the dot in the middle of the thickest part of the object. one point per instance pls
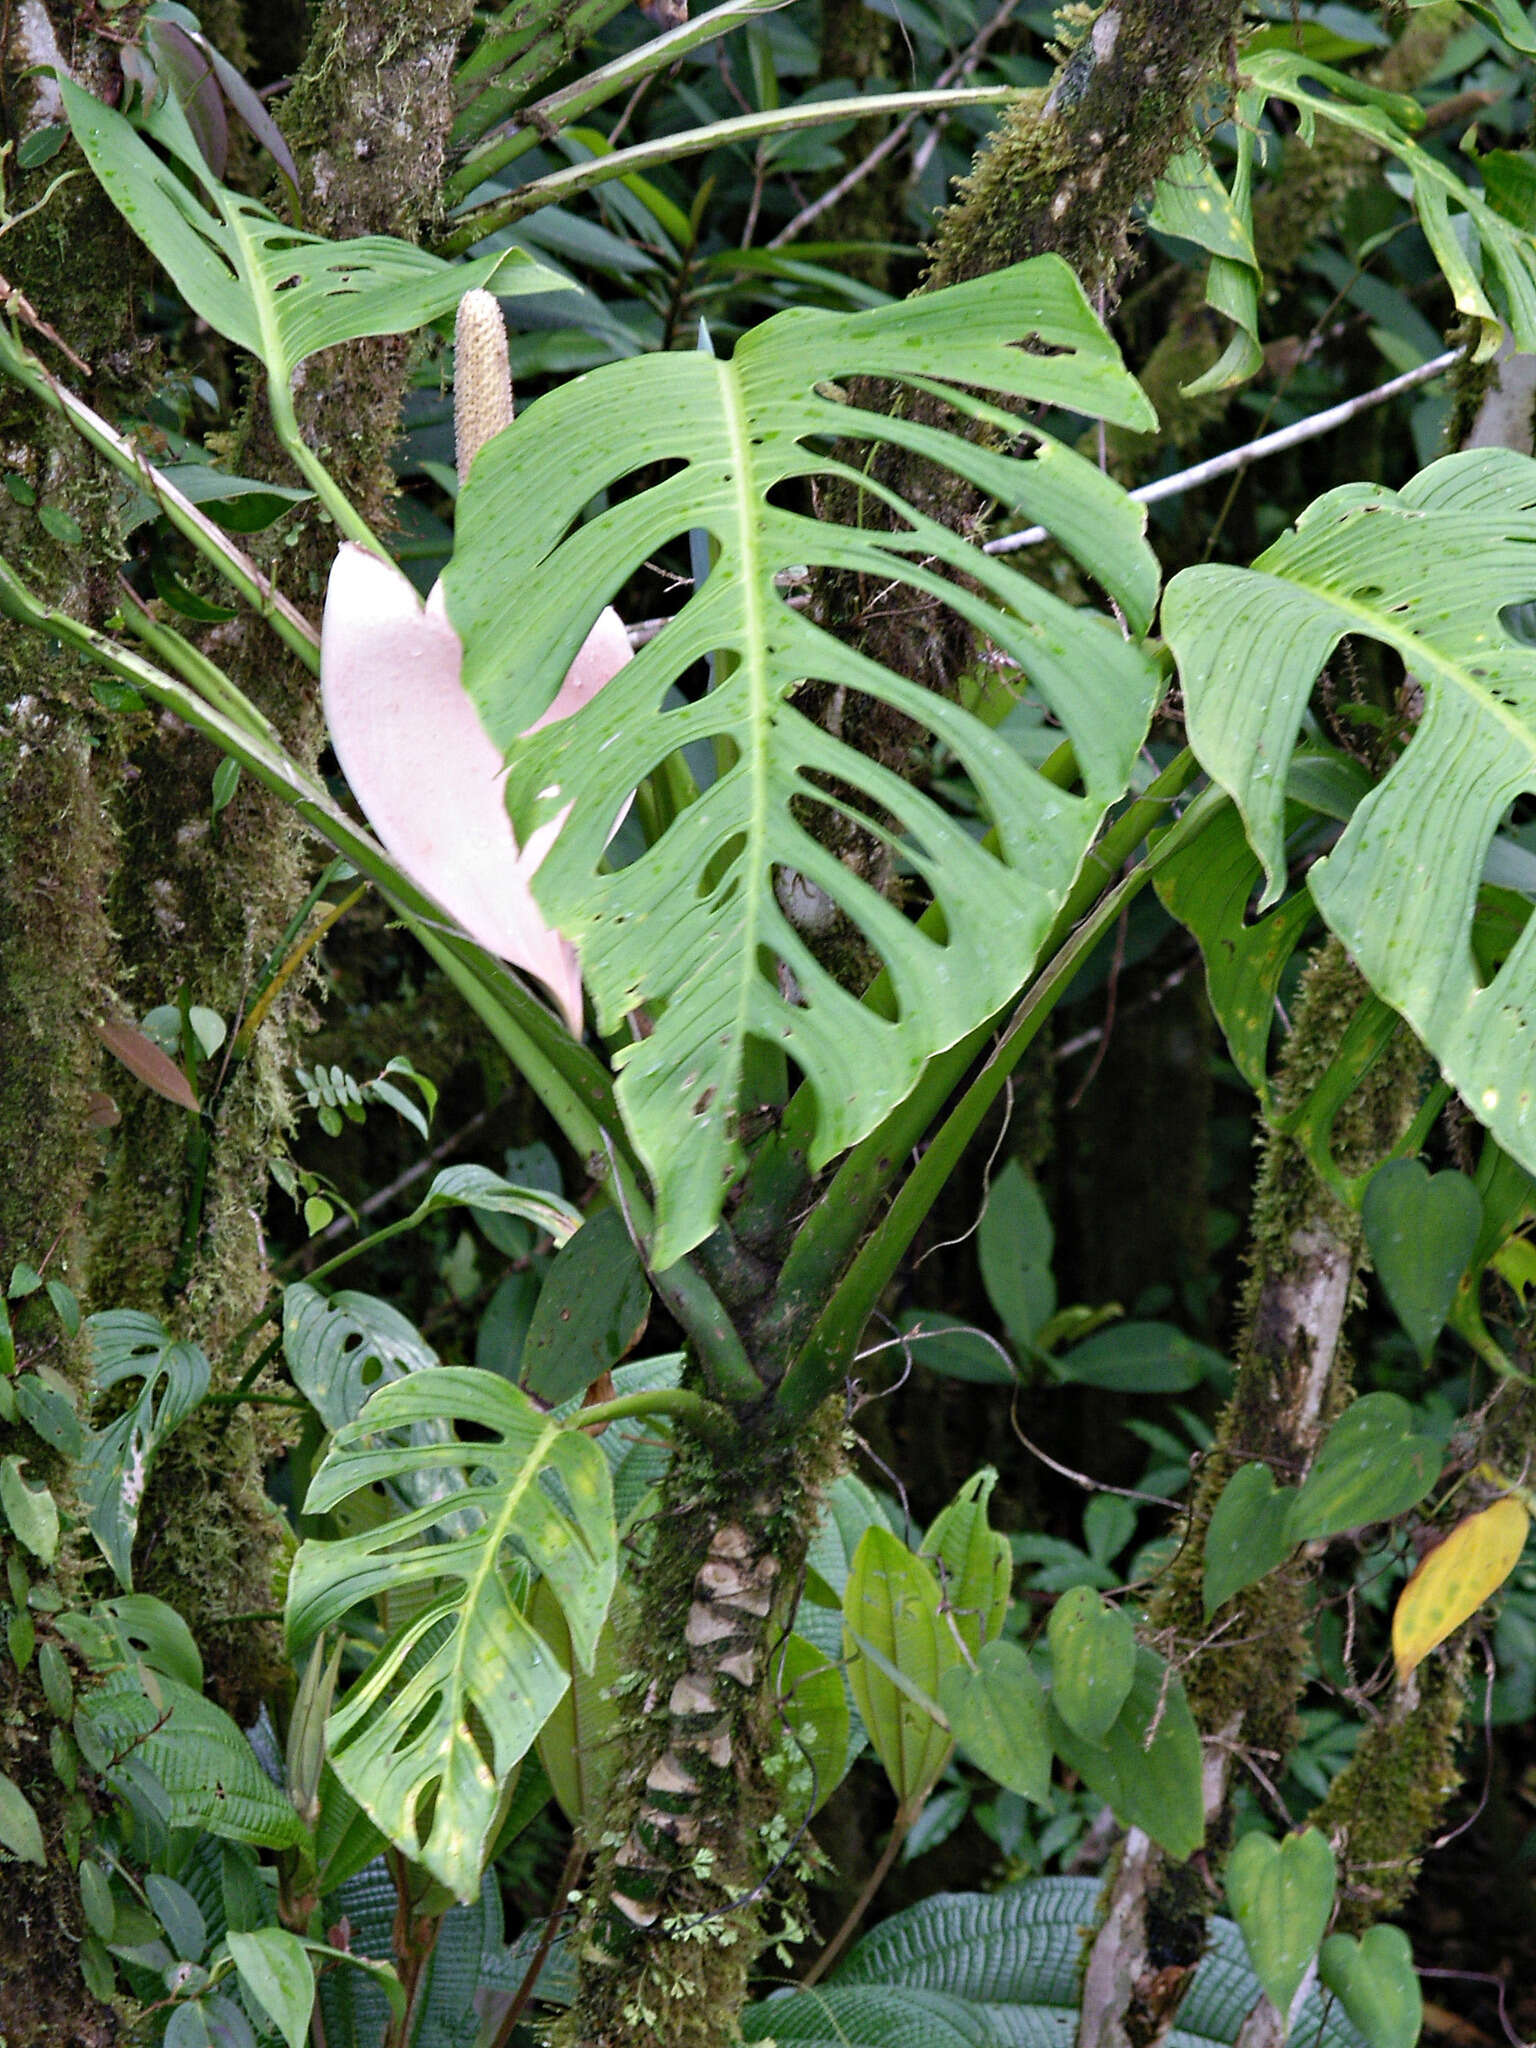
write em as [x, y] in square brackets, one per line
[426, 772]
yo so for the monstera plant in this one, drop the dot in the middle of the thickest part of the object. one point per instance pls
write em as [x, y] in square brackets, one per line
[791, 975]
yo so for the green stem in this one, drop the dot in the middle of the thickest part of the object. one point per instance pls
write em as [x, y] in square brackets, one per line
[290, 625]
[335, 500]
[823, 1358]
[828, 1237]
[702, 1418]
[495, 214]
[556, 110]
[523, 58]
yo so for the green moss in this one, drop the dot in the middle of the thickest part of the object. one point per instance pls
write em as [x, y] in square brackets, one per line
[1382, 1808]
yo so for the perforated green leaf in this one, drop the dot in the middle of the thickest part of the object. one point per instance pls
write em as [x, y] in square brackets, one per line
[270, 288]
[1430, 571]
[425, 1739]
[127, 1344]
[705, 931]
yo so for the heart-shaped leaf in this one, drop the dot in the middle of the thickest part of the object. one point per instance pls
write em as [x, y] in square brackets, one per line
[1247, 1534]
[1281, 1894]
[1148, 1767]
[1369, 1467]
[1375, 1982]
[1422, 1229]
[997, 1715]
[1093, 1662]
[1455, 1579]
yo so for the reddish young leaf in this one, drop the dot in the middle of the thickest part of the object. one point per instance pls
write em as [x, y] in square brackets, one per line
[148, 1063]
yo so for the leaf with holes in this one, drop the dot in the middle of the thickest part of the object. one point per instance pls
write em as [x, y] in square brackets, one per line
[1430, 571]
[710, 930]
[427, 1736]
[1455, 1579]
[127, 1344]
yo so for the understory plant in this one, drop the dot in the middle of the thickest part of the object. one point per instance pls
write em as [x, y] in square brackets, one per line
[805, 918]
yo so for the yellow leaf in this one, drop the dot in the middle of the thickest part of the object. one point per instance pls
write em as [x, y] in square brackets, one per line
[1454, 1580]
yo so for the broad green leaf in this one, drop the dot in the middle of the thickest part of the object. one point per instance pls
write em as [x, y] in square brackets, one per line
[275, 1970]
[30, 1511]
[1375, 1982]
[704, 930]
[1281, 1894]
[1247, 1533]
[1422, 1230]
[1458, 223]
[997, 1715]
[1455, 1579]
[1014, 1245]
[270, 288]
[19, 1830]
[578, 1744]
[484, 1682]
[127, 1344]
[591, 1310]
[1369, 1467]
[1137, 1358]
[1192, 202]
[813, 1753]
[891, 1608]
[850, 1507]
[1506, 18]
[1147, 1768]
[179, 1914]
[341, 1348]
[974, 1563]
[476, 1187]
[206, 1772]
[1429, 571]
[954, 1348]
[1208, 887]
[1093, 1662]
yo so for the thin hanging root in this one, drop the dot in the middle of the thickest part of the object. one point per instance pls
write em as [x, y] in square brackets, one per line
[732, 1599]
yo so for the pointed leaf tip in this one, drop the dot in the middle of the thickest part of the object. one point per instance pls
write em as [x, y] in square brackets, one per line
[425, 770]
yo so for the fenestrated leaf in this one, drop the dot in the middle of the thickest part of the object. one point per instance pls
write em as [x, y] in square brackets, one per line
[997, 1715]
[1369, 1467]
[591, 1310]
[1505, 17]
[1281, 1895]
[1247, 1533]
[1422, 1230]
[1148, 1765]
[1455, 1579]
[1430, 571]
[1093, 1662]
[695, 930]
[891, 1625]
[272, 289]
[128, 1344]
[486, 1677]
[341, 1348]
[1374, 1980]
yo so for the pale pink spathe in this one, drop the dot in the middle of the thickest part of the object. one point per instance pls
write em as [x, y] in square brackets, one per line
[424, 769]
